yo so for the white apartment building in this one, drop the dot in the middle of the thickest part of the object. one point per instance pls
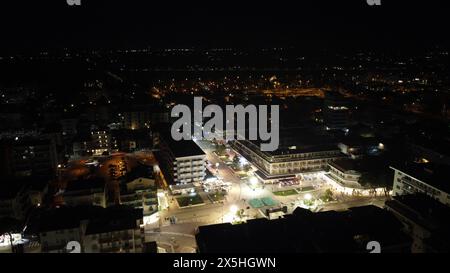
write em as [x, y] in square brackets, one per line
[183, 161]
[423, 178]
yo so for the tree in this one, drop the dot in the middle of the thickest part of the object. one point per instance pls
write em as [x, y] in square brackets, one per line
[237, 162]
[247, 167]
[378, 174]
[220, 150]
[327, 196]
[240, 213]
[375, 180]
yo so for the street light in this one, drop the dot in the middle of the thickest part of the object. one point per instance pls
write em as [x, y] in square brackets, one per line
[234, 209]
[253, 181]
[308, 196]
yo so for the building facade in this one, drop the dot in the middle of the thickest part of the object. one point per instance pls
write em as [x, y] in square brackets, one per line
[85, 192]
[344, 174]
[116, 229]
[140, 193]
[285, 162]
[115, 234]
[26, 157]
[336, 112]
[425, 179]
[182, 161]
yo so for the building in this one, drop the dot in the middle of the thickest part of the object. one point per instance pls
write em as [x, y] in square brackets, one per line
[116, 230]
[430, 179]
[55, 234]
[426, 220]
[27, 156]
[286, 162]
[137, 119]
[346, 172]
[336, 112]
[98, 230]
[100, 141]
[8, 199]
[182, 162]
[18, 196]
[429, 148]
[308, 232]
[131, 140]
[182, 189]
[143, 116]
[81, 146]
[139, 191]
[69, 127]
[85, 192]
[359, 147]
[345, 175]
[97, 142]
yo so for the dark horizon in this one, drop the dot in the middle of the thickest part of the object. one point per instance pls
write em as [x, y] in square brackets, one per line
[309, 25]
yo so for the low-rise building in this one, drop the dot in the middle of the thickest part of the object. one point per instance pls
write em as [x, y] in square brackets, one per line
[426, 220]
[140, 193]
[347, 175]
[115, 229]
[55, 236]
[85, 192]
[131, 140]
[118, 230]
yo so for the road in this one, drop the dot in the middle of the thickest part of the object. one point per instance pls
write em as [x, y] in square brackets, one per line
[174, 239]
[356, 202]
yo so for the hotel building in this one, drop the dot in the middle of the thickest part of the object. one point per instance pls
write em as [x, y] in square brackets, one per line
[182, 161]
[285, 163]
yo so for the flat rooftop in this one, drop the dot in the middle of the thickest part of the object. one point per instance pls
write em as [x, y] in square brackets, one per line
[182, 148]
[359, 165]
[304, 231]
[85, 185]
[292, 150]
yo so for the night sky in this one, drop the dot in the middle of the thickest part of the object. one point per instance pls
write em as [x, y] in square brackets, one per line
[27, 25]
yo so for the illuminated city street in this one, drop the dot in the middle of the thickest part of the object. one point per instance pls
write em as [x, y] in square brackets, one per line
[245, 133]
